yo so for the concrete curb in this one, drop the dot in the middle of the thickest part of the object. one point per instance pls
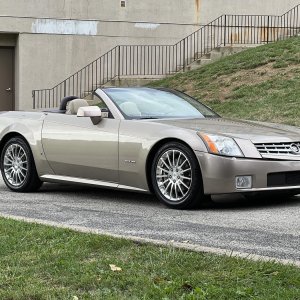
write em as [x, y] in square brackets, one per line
[179, 245]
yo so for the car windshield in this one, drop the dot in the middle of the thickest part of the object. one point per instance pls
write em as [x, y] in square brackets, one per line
[147, 103]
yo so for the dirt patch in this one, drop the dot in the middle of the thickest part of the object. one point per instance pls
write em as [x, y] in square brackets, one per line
[228, 83]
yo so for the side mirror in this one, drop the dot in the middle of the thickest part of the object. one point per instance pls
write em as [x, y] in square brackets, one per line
[93, 112]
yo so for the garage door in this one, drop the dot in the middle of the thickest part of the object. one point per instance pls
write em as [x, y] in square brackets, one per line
[6, 78]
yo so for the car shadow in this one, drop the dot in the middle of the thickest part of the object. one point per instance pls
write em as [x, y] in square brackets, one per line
[239, 202]
[105, 194]
[222, 202]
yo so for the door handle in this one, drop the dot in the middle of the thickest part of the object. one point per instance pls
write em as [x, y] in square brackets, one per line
[8, 90]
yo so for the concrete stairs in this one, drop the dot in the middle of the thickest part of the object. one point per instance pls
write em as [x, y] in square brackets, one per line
[232, 30]
[201, 60]
[215, 55]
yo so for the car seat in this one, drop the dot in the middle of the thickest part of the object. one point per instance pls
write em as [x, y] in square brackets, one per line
[74, 105]
[64, 102]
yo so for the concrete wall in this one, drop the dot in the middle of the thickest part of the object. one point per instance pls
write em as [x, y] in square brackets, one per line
[55, 38]
[166, 11]
[211, 9]
[135, 10]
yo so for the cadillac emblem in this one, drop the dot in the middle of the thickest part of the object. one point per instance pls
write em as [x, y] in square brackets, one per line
[295, 149]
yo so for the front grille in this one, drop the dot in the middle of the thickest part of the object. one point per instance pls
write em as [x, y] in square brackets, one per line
[284, 179]
[279, 148]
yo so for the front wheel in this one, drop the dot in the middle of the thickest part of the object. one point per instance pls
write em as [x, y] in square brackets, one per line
[176, 176]
[18, 167]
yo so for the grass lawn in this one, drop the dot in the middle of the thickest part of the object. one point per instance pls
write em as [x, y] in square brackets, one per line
[41, 262]
[261, 83]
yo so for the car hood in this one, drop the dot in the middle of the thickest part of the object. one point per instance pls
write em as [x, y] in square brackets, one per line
[257, 132]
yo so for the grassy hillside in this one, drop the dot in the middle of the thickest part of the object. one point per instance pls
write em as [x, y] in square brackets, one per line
[261, 83]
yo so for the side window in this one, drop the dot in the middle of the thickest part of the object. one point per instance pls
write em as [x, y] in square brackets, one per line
[97, 101]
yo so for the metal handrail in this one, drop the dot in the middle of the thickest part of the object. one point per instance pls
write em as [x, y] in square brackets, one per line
[145, 60]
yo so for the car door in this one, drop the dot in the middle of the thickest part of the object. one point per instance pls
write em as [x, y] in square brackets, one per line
[74, 147]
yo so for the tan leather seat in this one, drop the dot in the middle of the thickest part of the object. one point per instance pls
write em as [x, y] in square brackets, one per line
[74, 105]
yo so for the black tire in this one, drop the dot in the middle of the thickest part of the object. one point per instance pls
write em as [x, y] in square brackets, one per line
[194, 193]
[29, 180]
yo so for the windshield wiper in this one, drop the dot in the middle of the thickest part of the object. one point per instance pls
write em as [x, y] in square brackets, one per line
[147, 118]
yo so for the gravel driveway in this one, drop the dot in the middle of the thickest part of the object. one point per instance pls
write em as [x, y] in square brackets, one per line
[269, 227]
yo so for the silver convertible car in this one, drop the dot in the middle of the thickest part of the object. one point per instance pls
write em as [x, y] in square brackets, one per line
[157, 141]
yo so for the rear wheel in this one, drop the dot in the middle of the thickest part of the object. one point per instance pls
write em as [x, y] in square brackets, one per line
[18, 167]
[176, 176]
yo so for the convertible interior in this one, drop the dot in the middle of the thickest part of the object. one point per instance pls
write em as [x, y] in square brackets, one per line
[69, 106]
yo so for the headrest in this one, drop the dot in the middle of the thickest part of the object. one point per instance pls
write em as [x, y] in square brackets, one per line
[73, 106]
[64, 102]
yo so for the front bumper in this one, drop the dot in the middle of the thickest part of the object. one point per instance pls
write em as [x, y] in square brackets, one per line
[219, 173]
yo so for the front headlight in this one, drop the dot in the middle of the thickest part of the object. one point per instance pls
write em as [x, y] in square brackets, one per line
[221, 145]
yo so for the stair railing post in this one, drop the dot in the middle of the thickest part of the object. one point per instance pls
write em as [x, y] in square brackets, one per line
[119, 62]
[268, 24]
[33, 96]
[65, 88]
[183, 54]
[225, 29]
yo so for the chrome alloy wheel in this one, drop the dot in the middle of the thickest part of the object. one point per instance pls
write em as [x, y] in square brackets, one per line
[174, 175]
[15, 165]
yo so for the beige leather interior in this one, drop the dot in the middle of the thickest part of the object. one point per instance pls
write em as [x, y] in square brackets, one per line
[74, 105]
